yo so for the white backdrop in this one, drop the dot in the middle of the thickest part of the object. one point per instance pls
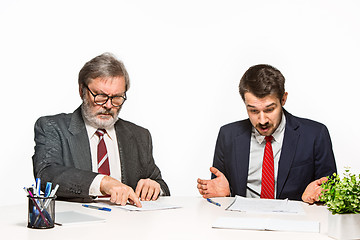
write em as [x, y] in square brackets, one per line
[185, 59]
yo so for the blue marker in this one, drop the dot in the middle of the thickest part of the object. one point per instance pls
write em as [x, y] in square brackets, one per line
[211, 201]
[38, 186]
[48, 189]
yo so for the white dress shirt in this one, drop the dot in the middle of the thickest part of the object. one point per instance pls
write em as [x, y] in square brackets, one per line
[113, 155]
[257, 148]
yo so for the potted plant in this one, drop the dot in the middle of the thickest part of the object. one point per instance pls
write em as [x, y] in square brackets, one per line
[342, 198]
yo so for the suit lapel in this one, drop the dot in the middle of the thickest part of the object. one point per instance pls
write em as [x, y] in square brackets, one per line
[79, 142]
[124, 139]
[288, 150]
[242, 153]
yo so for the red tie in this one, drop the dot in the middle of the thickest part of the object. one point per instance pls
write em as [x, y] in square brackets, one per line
[103, 160]
[267, 180]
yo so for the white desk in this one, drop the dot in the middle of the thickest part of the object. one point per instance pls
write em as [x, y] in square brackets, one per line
[192, 221]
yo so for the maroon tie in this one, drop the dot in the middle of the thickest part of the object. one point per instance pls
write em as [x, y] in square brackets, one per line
[103, 160]
[267, 179]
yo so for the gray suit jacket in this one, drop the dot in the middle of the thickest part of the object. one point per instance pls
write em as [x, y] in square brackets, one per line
[62, 155]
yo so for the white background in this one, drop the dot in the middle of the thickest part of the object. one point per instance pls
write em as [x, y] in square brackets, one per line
[185, 59]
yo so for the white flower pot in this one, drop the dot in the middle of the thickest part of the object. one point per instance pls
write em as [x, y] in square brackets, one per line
[344, 226]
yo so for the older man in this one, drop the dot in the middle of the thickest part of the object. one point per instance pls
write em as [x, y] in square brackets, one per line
[91, 152]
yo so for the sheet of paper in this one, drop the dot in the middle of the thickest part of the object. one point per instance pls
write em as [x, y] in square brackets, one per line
[72, 217]
[266, 205]
[267, 224]
[146, 206]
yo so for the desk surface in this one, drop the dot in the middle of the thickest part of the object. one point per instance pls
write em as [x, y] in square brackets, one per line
[192, 221]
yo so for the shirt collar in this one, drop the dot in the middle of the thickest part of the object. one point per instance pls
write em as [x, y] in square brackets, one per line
[110, 132]
[277, 135]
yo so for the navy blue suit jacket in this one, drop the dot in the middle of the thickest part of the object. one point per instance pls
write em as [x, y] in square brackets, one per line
[306, 155]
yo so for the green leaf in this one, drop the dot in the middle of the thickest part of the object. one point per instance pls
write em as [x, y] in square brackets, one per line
[342, 195]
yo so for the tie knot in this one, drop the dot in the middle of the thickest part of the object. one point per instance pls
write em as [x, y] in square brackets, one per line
[269, 138]
[100, 132]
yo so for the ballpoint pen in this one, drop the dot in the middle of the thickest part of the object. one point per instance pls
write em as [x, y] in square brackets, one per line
[211, 201]
[96, 207]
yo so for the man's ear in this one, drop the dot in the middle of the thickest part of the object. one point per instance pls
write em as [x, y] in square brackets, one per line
[283, 99]
[81, 91]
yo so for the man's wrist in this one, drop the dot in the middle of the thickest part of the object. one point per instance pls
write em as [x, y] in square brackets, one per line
[94, 189]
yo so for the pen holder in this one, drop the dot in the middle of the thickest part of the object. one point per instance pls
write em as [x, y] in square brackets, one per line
[41, 212]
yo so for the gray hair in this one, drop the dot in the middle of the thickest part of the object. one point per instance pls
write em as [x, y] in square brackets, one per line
[104, 65]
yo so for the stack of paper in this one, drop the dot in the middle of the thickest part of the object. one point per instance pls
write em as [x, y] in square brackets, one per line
[267, 224]
[266, 205]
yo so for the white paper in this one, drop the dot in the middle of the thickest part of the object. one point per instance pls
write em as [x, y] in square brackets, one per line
[259, 205]
[267, 224]
[72, 217]
[146, 206]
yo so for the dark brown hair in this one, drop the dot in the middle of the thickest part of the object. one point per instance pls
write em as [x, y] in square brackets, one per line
[262, 80]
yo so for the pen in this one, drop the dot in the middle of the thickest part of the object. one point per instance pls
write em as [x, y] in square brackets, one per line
[48, 189]
[52, 194]
[38, 187]
[96, 207]
[211, 201]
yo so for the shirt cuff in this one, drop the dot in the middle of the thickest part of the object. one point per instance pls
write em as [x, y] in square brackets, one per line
[94, 189]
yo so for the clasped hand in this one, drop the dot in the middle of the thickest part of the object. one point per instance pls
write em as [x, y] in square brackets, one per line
[120, 193]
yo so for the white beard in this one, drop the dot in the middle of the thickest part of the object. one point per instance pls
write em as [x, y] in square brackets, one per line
[91, 118]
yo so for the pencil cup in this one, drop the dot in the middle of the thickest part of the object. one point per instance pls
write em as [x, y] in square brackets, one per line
[41, 212]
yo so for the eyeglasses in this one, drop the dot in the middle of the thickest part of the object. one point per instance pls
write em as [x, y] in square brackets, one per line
[101, 99]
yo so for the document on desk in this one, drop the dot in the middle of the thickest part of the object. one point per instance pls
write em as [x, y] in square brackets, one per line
[72, 217]
[146, 206]
[266, 205]
[273, 224]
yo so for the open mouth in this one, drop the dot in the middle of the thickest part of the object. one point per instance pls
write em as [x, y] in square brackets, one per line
[264, 128]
